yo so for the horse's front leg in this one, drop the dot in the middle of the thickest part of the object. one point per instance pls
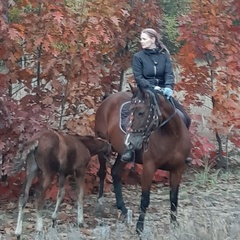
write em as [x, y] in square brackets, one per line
[147, 176]
[117, 184]
[175, 179]
[102, 175]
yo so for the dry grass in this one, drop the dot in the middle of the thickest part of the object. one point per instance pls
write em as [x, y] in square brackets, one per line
[209, 209]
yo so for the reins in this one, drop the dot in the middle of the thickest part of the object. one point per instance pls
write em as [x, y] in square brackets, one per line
[158, 109]
[168, 119]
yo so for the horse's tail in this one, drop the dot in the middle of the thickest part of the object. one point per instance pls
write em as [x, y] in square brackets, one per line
[27, 150]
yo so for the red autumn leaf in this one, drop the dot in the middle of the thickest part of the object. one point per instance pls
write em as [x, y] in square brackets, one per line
[57, 17]
[47, 100]
[2, 144]
[13, 33]
[115, 20]
[21, 127]
[210, 46]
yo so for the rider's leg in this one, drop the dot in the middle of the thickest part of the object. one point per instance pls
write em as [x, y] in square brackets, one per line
[128, 154]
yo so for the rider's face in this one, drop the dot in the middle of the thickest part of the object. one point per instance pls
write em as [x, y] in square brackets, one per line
[147, 42]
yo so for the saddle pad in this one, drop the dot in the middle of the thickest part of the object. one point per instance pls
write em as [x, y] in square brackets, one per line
[124, 116]
[180, 113]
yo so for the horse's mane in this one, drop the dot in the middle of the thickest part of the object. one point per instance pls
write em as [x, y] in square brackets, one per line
[145, 93]
[94, 145]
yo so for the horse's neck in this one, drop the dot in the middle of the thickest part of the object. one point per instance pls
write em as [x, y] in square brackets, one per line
[92, 144]
[169, 113]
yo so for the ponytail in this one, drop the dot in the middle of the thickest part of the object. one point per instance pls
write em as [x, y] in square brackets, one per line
[152, 33]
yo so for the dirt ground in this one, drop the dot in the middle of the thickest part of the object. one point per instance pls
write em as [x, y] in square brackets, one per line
[209, 208]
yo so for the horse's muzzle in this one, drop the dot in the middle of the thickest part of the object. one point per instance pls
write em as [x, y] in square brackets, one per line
[135, 139]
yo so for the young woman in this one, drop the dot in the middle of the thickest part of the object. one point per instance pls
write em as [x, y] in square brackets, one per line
[152, 66]
[152, 69]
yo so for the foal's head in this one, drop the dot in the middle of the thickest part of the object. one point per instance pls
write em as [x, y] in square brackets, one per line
[145, 117]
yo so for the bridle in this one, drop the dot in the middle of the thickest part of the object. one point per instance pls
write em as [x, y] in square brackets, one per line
[151, 122]
[153, 119]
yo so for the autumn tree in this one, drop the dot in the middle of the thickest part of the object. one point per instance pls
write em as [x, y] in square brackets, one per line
[58, 57]
[210, 62]
[172, 9]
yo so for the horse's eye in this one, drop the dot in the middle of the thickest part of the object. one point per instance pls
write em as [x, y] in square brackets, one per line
[140, 113]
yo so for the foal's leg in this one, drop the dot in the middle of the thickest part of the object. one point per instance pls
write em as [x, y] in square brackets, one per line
[45, 181]
[147, 176]
[80, 177]
[31, 172]
[61, 192]
[117, 177]
[175, 179]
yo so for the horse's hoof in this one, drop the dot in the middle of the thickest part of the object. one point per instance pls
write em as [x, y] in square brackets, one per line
[99, 210]
[120, 216]
[81, 225]
[38, 235]
[188, 161]
[139, 228]
[18, 237]
[54, 223]
[175, 224]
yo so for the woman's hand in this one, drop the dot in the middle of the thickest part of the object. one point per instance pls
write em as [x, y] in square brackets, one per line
[167, 92]
[157, 88]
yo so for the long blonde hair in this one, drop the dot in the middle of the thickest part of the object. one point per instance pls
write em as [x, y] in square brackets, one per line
[153, 33]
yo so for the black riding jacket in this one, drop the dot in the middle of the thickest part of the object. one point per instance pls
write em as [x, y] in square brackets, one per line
[153, 67]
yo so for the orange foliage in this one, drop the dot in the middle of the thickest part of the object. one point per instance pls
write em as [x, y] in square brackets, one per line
[210, 67]
[218, 69]
[73, 54]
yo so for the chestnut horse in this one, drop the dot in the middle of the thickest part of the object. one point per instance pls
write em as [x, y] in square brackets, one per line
[51, 153]
[160, 138]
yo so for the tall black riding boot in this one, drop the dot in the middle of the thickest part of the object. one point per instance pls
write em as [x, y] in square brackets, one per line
[128, 155]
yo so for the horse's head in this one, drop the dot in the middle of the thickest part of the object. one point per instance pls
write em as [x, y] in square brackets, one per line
[145, 116]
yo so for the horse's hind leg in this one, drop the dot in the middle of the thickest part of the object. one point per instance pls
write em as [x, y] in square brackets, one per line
[61, 192]
[117, 184]
[80, 177]
[45, 181]
[175, 179]
[31, 172]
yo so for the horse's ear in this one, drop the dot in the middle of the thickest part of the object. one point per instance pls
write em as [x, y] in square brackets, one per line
[133, 89]
[142, 91]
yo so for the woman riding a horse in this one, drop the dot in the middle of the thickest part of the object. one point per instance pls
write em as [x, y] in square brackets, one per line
[156, 136]
[152, 69]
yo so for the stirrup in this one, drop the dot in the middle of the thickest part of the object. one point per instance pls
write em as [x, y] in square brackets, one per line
[128, 156]
[188, 160]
